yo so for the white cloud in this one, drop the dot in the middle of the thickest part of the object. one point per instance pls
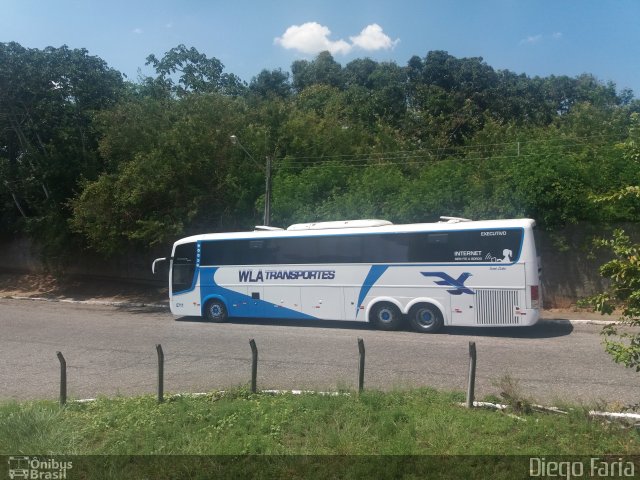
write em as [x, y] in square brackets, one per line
[312, 38]
[531, 40]
[137, 31]
[539, 38]
[373, 38]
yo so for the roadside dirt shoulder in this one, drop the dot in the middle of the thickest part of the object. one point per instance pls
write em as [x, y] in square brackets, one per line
[575, 314]
[81, 289]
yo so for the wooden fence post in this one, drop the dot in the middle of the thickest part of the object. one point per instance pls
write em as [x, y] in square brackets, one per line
[63, 378]
[254, 365]
[471, 385]
[160, 373]
[361, 365]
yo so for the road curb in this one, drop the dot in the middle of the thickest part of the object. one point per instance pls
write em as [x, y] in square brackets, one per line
[585, 322]
[166, 306]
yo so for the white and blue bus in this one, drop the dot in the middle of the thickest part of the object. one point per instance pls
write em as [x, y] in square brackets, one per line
[453, 272]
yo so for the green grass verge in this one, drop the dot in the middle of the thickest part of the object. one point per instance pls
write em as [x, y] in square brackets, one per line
[416, 422]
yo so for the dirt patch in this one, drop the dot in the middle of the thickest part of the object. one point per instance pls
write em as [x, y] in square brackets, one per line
[575, 313]
[79, 288]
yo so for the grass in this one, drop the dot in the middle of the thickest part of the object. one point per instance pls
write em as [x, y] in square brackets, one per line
[391, 425]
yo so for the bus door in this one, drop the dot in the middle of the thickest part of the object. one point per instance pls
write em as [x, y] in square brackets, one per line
[185, 296]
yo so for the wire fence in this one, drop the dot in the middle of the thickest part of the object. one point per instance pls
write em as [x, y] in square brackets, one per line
[254, 372]
[470, 402]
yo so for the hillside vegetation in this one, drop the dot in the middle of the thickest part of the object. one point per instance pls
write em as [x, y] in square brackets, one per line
[91, 159]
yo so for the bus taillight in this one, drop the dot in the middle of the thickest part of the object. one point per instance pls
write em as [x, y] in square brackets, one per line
[535, 296]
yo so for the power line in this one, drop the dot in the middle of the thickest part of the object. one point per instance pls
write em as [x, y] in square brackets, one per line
[414, 163]
[560, 143]
[420, 157]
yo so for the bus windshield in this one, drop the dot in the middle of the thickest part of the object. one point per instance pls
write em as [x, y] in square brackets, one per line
[183, 267]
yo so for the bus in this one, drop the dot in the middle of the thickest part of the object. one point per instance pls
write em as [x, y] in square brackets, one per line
[455, 272]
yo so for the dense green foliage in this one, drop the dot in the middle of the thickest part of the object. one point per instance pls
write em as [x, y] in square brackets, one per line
[87, 156]
[622, 271]
[48, 140]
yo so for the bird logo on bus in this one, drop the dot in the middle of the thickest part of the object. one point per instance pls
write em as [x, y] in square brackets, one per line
[448, 281]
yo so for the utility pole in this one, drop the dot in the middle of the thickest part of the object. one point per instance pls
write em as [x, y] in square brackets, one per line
[267, 194]
[267, 180]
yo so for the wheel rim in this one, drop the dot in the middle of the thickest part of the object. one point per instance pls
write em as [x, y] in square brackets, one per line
[385, 315]
[215, 310]
[425, 318]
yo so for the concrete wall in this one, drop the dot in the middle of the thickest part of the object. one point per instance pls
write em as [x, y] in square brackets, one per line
[569, 266]
[569, 271]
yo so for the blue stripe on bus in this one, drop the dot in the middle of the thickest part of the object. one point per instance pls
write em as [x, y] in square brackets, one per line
[373, 276]
[236, 302]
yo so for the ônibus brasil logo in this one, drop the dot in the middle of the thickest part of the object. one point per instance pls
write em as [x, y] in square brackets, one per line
[38, 468]
[448, 281]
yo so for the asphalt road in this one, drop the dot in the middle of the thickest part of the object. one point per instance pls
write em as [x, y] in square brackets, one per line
[111, 351]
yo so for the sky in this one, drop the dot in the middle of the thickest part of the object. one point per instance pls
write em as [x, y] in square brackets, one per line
[535, 37]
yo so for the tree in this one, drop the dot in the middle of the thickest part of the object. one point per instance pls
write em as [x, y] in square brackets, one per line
[623, 273]
[172, 171]
[323, 70]
[450, 95]
[376, 91]
[622, 340]
[274, 82]
[48, 99]
[198, 73]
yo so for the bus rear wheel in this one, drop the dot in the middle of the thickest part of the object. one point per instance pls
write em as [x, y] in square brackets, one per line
[425, 318]
[215, 311]
[386, 316]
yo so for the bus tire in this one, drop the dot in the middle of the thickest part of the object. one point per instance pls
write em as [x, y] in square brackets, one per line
[215, 311]
[385, 316]
[425, 318]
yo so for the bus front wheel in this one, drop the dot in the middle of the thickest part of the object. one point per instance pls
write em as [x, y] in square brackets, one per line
[425, 318]
[215, 311]
[386, 316]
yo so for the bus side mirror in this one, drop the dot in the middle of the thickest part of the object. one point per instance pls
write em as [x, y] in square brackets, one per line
[153, 266]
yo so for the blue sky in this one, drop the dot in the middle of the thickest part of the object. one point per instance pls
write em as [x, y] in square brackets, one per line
[543, 37]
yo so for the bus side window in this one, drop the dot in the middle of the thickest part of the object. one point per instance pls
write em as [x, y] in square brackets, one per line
[253, 252]
[437, 238]
[428, 247]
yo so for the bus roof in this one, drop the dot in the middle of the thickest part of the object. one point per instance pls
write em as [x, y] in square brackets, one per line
[385, 227]
[339, 224]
